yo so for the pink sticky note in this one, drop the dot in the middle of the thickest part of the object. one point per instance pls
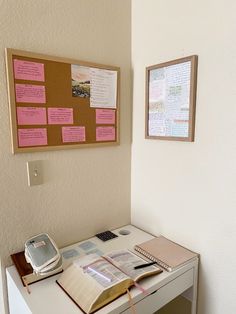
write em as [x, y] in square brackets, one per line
[60, 115]
[27, 70]
[73, 134]
[105, 116]
[106, 133]
[31, 115]
[32, 137]
[30, 93]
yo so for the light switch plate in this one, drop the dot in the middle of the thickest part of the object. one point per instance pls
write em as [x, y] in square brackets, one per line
[35, 172]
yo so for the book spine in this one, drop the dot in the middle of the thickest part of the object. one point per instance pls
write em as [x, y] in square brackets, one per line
[152, 258]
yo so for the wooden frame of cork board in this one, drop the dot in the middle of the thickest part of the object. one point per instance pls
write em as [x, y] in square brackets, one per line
[57, 103]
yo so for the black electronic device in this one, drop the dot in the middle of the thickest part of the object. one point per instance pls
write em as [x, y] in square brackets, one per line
[106, 235]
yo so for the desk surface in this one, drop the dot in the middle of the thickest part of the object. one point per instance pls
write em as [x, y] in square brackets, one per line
[47, 297]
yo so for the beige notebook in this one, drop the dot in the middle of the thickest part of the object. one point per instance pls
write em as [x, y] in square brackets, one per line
[166, 253]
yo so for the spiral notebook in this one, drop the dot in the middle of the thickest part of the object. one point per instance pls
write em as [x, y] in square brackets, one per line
[166, 253]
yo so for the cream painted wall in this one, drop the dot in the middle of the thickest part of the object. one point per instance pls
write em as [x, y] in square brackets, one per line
[186, 191]
[85, 190]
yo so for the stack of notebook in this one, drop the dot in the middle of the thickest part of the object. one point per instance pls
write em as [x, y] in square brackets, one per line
[26, 271]
[166, 253]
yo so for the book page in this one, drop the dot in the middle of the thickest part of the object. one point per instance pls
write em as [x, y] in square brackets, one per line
[82, 289]
[104, 273]
[126, 261]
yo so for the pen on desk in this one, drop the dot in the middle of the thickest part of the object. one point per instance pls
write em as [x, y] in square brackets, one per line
[144, 265]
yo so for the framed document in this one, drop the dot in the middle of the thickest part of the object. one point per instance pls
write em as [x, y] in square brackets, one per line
[171, 100]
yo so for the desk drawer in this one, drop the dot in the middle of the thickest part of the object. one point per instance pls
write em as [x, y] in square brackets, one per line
[164, 295]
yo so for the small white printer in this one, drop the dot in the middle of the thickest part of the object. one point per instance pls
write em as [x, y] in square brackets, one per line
[43, 255]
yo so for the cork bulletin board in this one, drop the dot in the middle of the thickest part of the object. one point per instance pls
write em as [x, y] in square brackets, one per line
[58, 103]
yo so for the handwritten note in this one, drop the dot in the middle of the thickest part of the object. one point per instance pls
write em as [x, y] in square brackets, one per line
[60, 115]
[73, 134]
[88, 245]
[70, 253]
[32, 137]
[105, 116]
[169, 90]
[27, 70]
[31, 115]
[105, 133]
[95, 251]
[26, 93]
[103, 88]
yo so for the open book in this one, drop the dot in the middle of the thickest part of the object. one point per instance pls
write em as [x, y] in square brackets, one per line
[93, 281]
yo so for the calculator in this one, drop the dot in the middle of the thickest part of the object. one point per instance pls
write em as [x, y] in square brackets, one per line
[106, 235]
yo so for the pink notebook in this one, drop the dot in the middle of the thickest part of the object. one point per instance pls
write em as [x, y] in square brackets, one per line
[165, 253]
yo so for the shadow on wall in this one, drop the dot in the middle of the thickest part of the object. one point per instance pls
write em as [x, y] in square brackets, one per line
[179, 305]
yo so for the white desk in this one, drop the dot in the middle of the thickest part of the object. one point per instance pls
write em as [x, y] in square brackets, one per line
[48, 298]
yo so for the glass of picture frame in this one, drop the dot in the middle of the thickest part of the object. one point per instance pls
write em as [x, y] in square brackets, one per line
[171, 100]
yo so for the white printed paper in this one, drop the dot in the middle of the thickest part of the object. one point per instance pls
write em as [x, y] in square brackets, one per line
[103, 88]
